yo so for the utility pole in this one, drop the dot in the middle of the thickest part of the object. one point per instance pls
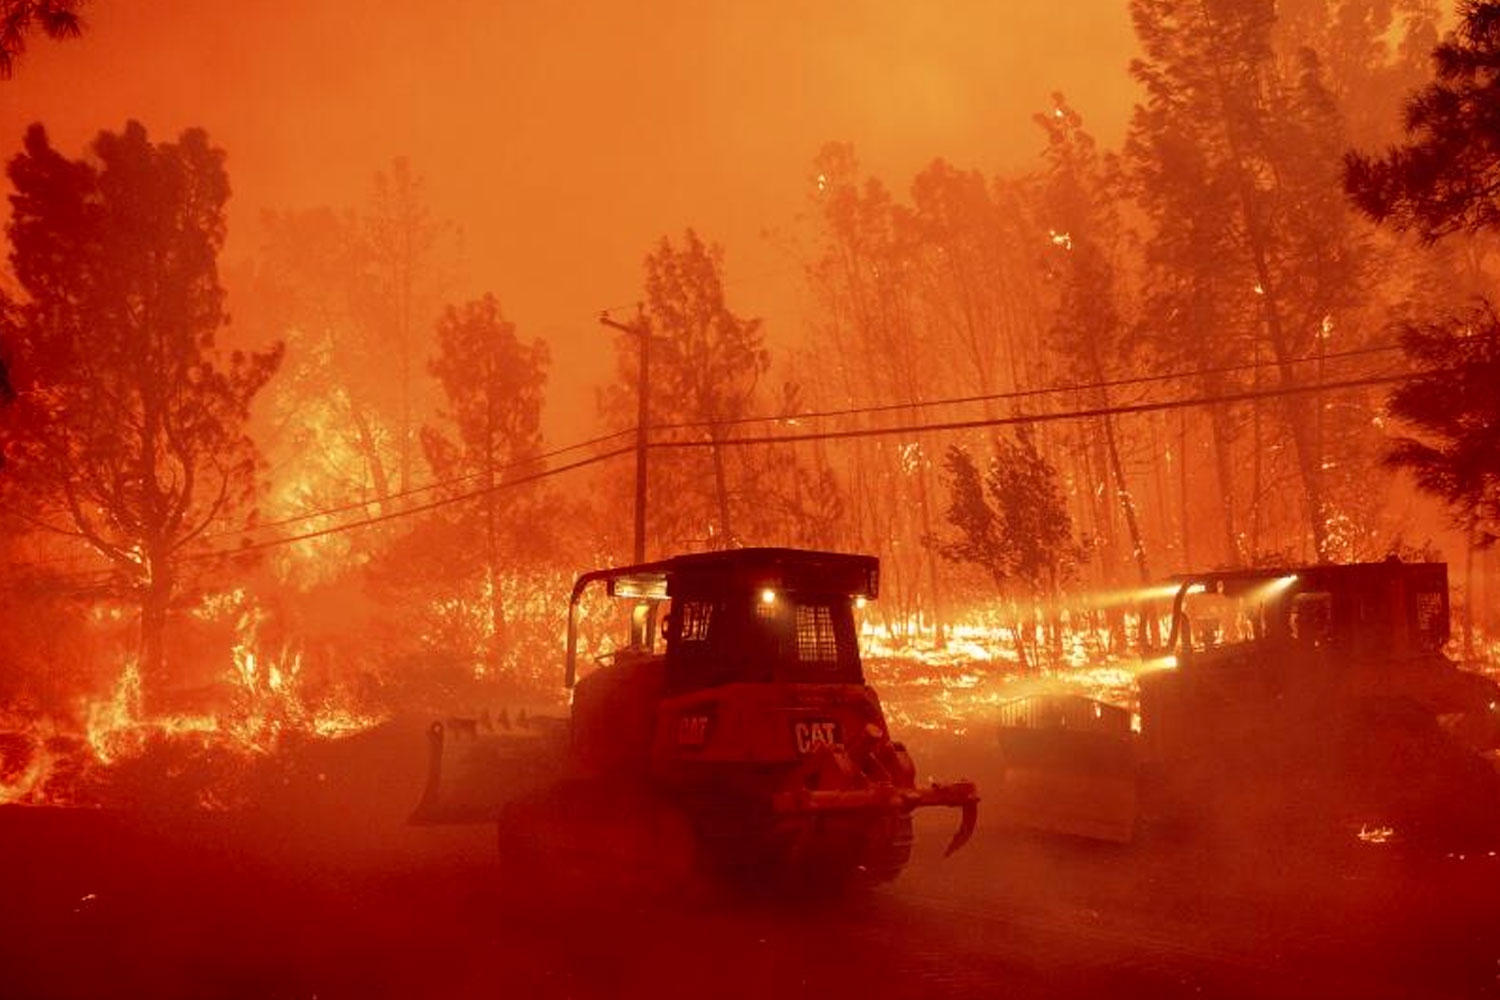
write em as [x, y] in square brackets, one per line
[640, 328]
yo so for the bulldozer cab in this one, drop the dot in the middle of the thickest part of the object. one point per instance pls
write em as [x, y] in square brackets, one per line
[744, 616]
[1386, 610]
[769, 636]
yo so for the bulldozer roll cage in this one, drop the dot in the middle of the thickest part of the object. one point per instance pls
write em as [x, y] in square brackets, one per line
[719, 574]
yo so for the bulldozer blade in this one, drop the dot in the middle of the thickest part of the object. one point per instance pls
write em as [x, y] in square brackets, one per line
[1082, 784]
[472, 773]
[965, 828]
[1070, 767]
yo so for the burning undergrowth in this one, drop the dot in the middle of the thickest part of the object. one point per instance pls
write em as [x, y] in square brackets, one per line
[953, 686]
[202, 748]
[273, 700]
[269, 694]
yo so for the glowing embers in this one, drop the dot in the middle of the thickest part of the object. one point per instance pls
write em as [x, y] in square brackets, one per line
[1375, 834]
[28, 763]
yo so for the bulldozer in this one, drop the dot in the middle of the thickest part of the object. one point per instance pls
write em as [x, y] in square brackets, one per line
[1314, 699]
[735, 733]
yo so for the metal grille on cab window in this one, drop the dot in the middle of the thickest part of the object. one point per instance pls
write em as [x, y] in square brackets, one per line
[815, 638]
[695, 618]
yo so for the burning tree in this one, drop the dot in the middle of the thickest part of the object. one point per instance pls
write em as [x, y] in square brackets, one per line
[494, 383]
[877, 338]
[401, 237]
[1251, 259]
[128, 433]
[355, 293]
[1088, 332]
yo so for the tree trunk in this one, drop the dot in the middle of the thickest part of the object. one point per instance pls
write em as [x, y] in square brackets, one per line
[1018, 631]
[1182, 489]
[371, 453]
[1468, 618]
[1224, 467]
[1148, 636]
[155, 599]
[492, 574]
[939, 624]
[721, 491]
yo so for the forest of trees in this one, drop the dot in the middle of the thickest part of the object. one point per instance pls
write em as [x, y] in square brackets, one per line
[1237, 339]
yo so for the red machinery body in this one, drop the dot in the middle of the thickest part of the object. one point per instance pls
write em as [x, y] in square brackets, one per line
[754, 723]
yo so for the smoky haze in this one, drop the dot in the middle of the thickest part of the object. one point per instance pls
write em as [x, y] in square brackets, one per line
[1037, 536]
[566, 138]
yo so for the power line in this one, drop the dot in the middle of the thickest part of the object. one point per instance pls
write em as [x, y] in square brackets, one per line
[852, 411]
[829, 435]
[425, 488]
[1039, 418]
[408, 511]
[809, 415]
[350, 505]
[917, 428]
[1026, 393]
[349, 526]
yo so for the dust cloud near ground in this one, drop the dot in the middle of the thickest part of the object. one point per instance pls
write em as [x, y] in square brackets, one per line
[322, 890]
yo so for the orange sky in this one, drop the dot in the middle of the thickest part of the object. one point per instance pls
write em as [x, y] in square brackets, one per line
[566, 137]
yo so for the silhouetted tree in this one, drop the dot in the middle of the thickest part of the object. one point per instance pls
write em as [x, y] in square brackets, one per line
[330, 419]
[129, 433]
[1453, 405]
[706, 364]
[1446, 176]
[401, 238]
[1440, 183]
[1013, 524]
[57, 19]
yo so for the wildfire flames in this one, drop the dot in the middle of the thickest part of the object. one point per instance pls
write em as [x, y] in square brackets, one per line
[962, 684]
[264, 701]
[71, 761]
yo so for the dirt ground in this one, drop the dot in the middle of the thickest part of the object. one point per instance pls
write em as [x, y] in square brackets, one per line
[322, 891]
